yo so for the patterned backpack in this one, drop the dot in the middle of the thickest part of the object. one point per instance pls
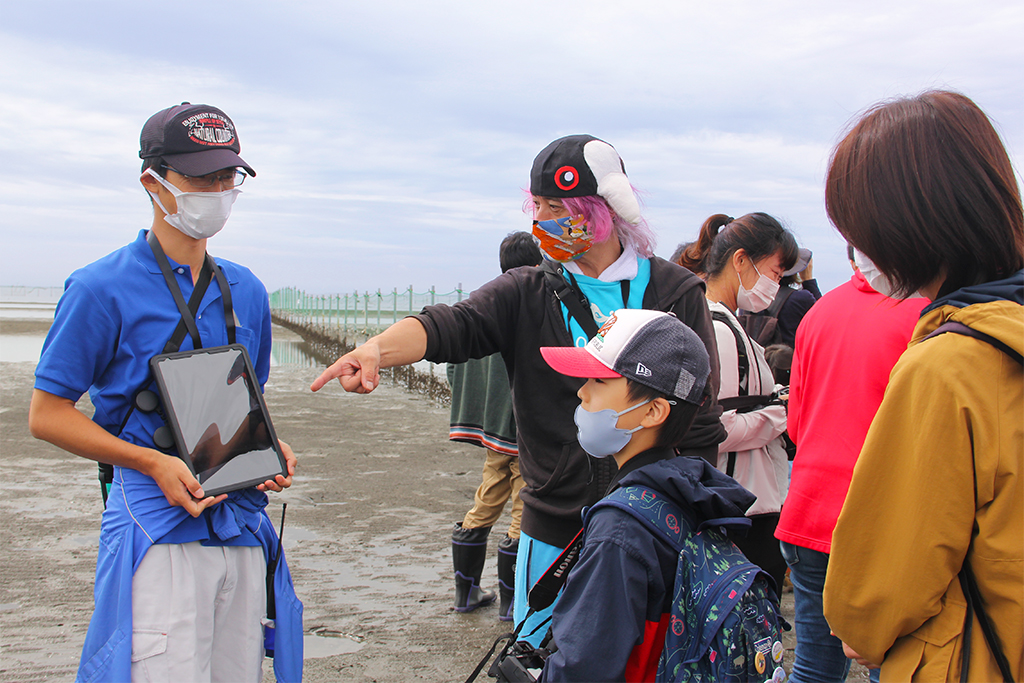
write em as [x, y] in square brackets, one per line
[725, 623]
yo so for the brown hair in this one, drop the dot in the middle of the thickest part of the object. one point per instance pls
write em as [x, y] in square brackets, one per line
[924, 188]
[758, 234]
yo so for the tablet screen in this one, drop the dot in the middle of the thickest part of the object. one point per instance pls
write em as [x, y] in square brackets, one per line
[220, 422]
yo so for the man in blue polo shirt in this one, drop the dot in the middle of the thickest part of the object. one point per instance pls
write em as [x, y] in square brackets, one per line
[180, 588]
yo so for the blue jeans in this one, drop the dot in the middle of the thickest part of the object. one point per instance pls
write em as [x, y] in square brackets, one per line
[819, 654]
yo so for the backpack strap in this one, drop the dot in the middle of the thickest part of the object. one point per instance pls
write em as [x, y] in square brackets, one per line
[743, 363]
[972, 594]
[960, 328]
[975, 606]
[659, 515]
[745, 404]
[741, 349]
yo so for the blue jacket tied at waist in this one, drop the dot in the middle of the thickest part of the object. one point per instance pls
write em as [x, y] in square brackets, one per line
[127, 532]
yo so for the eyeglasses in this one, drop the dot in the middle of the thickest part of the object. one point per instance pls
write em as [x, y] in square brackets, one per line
[227, 178]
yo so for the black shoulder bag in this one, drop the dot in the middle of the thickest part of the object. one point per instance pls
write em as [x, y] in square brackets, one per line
[763, 326]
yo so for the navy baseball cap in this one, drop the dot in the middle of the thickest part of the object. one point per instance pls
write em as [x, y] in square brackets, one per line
[193, 139]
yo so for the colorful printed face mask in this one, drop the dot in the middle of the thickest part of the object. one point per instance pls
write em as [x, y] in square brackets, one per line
[563, 239]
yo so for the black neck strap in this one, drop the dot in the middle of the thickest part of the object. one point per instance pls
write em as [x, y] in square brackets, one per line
[188, 311]
[573, 298]
[225, 295]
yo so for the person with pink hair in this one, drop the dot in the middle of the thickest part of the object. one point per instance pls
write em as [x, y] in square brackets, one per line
[598, 258]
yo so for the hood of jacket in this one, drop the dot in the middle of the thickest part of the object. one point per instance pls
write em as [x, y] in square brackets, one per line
[994, 308]
[1007, 289]
[695, 485]
[666, 285]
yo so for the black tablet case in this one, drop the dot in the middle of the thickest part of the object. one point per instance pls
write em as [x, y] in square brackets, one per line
[220, 422]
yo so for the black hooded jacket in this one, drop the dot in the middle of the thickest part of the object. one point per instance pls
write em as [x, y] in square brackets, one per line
[517, 313]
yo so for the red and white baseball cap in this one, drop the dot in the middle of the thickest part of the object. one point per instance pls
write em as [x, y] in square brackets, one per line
[653, 348]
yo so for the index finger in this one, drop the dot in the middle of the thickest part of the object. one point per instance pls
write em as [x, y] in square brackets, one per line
[343, 367]
[354, 372]
[325, 377]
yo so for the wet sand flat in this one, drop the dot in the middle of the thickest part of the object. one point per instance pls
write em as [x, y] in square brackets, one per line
[367, 536]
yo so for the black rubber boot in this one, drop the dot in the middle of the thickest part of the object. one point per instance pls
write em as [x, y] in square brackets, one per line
[469, 551]
[507, 550]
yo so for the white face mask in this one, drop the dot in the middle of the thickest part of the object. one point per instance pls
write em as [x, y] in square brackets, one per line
[599, 433]
[760, 297]
[878, 281]
[200, 214]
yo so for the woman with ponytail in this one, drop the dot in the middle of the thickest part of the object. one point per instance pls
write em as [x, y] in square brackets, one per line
[742, 261]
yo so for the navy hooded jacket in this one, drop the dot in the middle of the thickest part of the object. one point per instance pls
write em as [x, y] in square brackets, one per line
[610, 622]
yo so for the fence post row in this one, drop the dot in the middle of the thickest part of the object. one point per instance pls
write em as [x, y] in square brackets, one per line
[336, 311]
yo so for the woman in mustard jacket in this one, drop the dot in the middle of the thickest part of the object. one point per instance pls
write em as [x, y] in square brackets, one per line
[924, 188]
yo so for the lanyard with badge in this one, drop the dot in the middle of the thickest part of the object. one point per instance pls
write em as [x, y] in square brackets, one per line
[188, 311]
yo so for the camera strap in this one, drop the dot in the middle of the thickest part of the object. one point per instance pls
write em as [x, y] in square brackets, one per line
[572, 297]
[546, 590]
[483, 662]
[540, 597]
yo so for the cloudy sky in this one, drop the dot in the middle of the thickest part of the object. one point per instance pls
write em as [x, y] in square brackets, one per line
[392, 140]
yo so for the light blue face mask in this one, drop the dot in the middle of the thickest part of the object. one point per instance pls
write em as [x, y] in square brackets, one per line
[598, 432]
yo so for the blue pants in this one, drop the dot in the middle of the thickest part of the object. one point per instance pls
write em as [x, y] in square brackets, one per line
[533, 560]
[819, 654]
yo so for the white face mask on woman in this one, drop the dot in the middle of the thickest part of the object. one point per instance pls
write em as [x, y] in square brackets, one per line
[876, 278]
[200, 214]
[760, 296]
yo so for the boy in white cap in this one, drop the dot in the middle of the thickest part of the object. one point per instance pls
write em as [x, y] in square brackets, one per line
[646, 378]
[181, 587]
